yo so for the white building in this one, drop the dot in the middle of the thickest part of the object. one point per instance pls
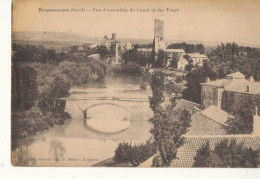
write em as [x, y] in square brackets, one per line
[197, 58]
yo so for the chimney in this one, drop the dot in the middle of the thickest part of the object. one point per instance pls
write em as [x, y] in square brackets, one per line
[251, 79]
[256, 123]
[208, 80]
[247, 89]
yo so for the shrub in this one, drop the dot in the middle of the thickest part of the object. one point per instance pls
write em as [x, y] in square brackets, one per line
[179, 79]
[130, 68]
[135, 154]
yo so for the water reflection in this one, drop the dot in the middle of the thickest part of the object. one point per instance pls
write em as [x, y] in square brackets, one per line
[57, 149]
[21, 156]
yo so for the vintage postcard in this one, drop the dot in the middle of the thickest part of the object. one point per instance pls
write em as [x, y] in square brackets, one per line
[132, 83]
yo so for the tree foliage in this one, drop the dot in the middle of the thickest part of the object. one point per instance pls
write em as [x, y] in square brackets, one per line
[243, 112]
[134, 154]
[102, 50]
[227, 154]
[137, 57]
[161, 60]
[130, 68]
[168, 128]
[157, 85]
[33, 53]
[194, 78]
[24, 87]
[188, 48]
[169, 124]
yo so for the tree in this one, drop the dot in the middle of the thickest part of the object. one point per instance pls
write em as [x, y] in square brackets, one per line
[243, 112]
[227, 154]
[169, 124]
[188, 48]
[175, 59]
[160, 62]
[157, 85]
[139, 58]
[190, 63]
[49, 100]
[102, 50]
[24, 87]
[168, 128]
[194, 78]
[74, 48]
[135, 154]
[200, 48]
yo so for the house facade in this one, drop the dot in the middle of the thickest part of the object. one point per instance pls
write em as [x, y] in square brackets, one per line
[225, 92]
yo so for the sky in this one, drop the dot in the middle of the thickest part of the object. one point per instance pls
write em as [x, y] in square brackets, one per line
[208, 20]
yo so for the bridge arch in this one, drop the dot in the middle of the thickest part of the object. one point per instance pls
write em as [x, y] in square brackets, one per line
[109, 103]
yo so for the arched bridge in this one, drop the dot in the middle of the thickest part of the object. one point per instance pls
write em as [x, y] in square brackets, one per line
[85, 104]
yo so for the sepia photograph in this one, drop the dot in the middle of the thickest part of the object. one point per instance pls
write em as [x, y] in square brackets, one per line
[171, 84]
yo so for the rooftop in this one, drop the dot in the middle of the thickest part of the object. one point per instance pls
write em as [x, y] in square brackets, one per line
[187, 152]
[216, 114]
[145, 49]
[236, 75]
[196, 55]
[219, 83]
[94, 55]
[236, 82]
[244, 86]
[175, 50]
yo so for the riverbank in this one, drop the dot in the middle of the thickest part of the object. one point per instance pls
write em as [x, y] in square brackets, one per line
[33, 121]
[36, 89]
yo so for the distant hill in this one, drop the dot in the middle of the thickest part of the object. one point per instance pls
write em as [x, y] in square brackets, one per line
[76, 38]
[51, 36]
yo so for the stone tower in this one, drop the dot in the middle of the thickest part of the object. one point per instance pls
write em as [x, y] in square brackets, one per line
[158, 42]
[158, 29]
[113, 36]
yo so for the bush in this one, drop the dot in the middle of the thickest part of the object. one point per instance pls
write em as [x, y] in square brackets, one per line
[179, 79]
[130, 68]
[134, 154]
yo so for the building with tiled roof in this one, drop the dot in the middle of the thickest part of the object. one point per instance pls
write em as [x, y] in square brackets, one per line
[233, 85]
[180, 51]
[192, 143]
[244, 86]
[210, 121]
[187, 152]
[236, 75]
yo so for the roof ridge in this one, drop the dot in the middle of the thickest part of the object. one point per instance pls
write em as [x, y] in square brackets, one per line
[220, 136]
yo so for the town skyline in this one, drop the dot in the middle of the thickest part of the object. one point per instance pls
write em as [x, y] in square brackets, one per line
[207, 22]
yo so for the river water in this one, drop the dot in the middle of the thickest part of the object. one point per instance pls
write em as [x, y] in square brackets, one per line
[82, 142]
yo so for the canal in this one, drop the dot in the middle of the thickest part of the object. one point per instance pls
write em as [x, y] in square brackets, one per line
[118, 111]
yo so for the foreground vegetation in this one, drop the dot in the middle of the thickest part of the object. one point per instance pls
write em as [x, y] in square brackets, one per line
[227, 154]
[134, 154]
